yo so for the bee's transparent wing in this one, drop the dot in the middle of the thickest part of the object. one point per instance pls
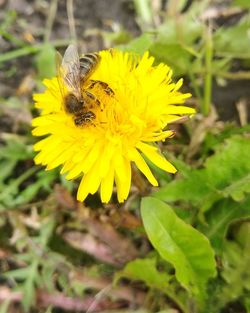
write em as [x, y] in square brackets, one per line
[60, 74]
[70, 65]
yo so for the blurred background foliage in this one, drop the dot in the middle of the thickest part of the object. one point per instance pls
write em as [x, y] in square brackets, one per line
[58, 255]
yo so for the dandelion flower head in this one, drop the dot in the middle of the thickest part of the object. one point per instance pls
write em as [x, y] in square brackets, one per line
[126, 126]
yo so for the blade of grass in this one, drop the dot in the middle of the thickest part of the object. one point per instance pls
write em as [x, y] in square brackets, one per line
[7, 56]
[205, 108]
[50, 20]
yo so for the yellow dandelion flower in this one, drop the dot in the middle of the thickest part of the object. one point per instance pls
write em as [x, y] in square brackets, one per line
[126, 124]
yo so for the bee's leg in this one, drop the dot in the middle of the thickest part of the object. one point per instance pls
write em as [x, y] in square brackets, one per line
[92, 97]
[84, 118]
[104, 85]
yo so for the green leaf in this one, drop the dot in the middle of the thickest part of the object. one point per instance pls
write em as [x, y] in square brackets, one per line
[229, 164]
[235, 272]
[45, 62]
[46, 230]
[245, 4]
[185, 31]
[138, 45]
[16, 150]
[220, 217]
[238, 189]
[226, 174]
[233, 41]
[145, 270]
[193, 188]
[180, 244]
[20, 273]
[29, 296]
[172, 54]
[6, 168]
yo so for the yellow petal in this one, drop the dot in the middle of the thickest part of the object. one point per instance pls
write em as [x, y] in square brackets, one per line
[142, 166]
[153, 155]
[91, 158]
[89, 184]
[122, 176]
[107, 185]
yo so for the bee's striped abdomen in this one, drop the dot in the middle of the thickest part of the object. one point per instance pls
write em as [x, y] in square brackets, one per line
[88, 63]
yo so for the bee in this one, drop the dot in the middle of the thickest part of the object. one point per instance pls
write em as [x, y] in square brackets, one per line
[72, 73]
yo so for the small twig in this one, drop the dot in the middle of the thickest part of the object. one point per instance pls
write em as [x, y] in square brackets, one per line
[98, 298]
[70, 13]
[242, 108]
[50, 20]
[234, 75]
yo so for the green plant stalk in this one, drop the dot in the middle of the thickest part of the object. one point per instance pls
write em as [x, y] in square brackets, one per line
[30, 49]
[144, 11]
[12, 38]
[205, 105]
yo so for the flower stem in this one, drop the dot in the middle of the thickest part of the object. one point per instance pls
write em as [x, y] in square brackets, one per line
[208, 76]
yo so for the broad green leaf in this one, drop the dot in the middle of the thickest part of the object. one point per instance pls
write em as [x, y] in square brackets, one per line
[174, 55]
[226, 174]
[221, 216]
[229, 164]
[238, 189]
[247, 304]
[116, 38]
[45, 62]
[185, 31]
[145, 270]
[233, 41]
[180, 244]
[235, 272]
[211, 141]
[193, 188]
[245, 4]
[138, 45]
[175, 43]
[234, 281]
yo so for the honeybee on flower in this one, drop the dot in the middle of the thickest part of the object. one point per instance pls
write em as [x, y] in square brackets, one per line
[136, 102]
